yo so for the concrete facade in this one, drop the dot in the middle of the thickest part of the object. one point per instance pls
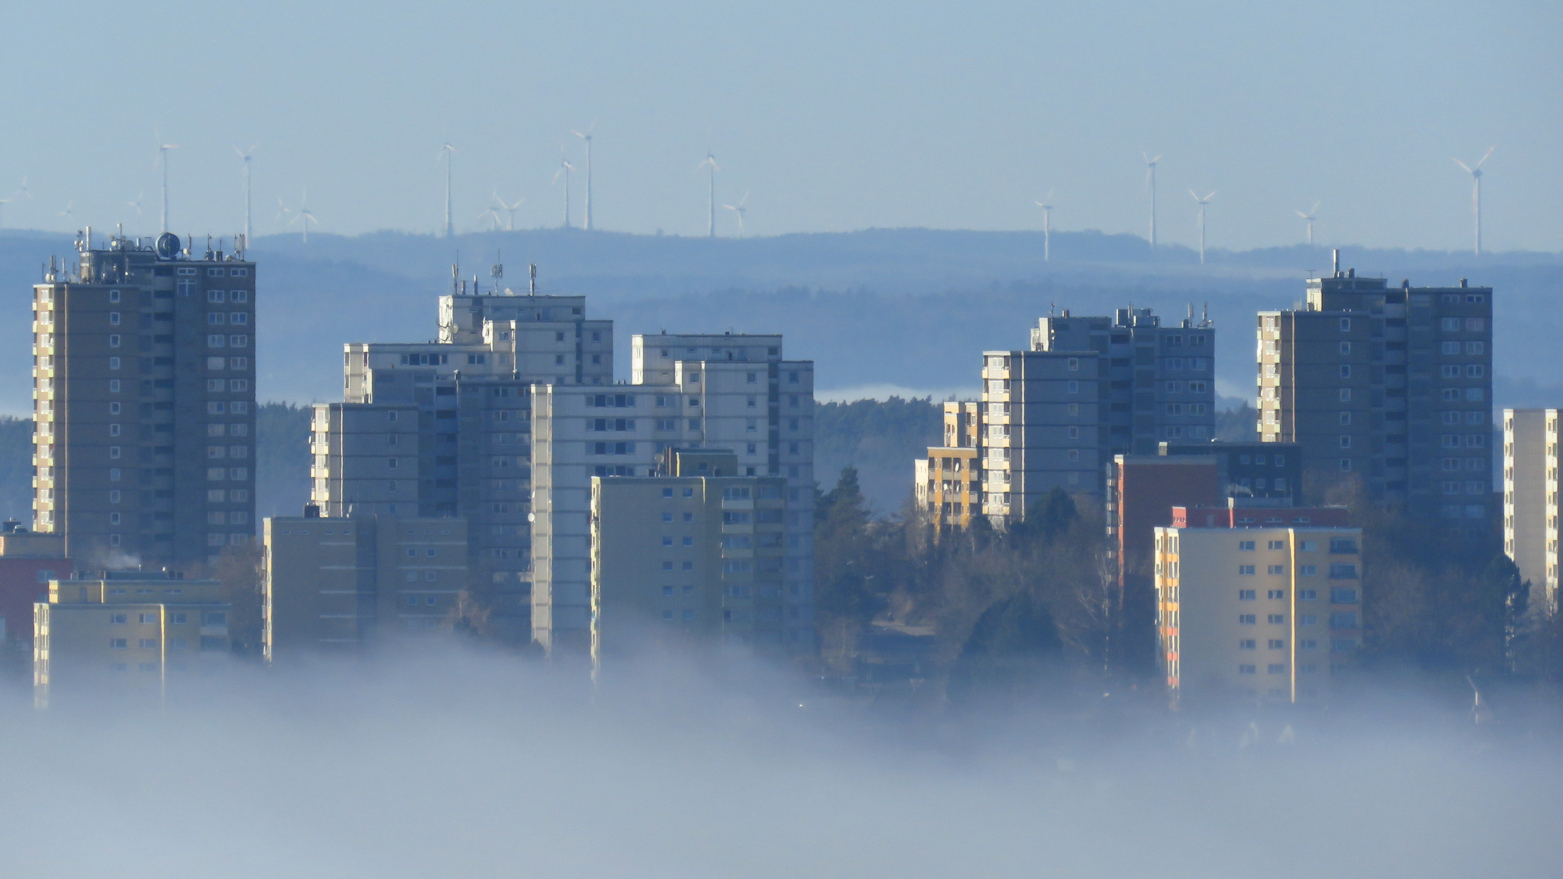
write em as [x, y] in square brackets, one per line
[1530, 501]
[1256, 613]
[144, 403]
[1390, 388]
[336, 585]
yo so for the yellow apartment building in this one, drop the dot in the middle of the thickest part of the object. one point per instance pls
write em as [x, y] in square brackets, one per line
[126, 630]
[1272, 614]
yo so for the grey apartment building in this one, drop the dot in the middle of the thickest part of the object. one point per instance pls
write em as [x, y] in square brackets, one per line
[144, 402]
[728, 392]
[1387, 387]
[444, 428]
[1531, 509]
[1089, 388]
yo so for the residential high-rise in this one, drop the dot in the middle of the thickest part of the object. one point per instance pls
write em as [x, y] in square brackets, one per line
[692, 551]
[1389, 388]
[144, 390]
[720, 392]
[444, 428]
[1041, 429]
[335, 585]
[1270, 613]
[1159, 379]
[28, 561]
[1531, 509]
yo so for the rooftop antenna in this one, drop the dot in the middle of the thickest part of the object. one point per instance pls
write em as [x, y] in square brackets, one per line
[1150, 184]
[1476, 193]
[244, 156]
[162, 160]
[531, 288]
[739, 209]
[1047, 226]
[1202, 202]
[1335, 262]
[587, 224]
[564, 168]
[1310, 217]
[455, 275]
[496, 272]
[509, 209]
[446, 152]
[710, 162]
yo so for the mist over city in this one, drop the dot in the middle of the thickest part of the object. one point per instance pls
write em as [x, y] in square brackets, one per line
[717, 440]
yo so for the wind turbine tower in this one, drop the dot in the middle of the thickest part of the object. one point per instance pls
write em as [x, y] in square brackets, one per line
[1150, 183]
[1047, 226]
[446, 152]
[587, 225]
[1310, 216]
[245, 156]
[1476, 193]
[1202, 202]
[710, 162]
[163, 149]
[565, 168]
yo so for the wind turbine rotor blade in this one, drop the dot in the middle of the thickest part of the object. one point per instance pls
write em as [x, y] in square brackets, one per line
[1193, 196]
[1211, 195]
[1464, 166]
[1315, 208]
[1303, 215]
[1485, 155]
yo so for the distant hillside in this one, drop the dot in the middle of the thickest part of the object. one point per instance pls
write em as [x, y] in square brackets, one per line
[907, 308]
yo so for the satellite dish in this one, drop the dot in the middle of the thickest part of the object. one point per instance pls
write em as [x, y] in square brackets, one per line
[167, 245]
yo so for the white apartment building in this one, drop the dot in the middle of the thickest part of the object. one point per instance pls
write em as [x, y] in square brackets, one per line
[1530, 500]
[745, 400]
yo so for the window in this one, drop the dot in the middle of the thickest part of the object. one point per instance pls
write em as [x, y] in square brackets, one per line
[1343, 595]
[1276, 668]
[1245, 545]
[1246, 594]
[1345, 370]
[1275, 570]
[1345, 324]
[1345, 349]
[1276, 544]
[1276, 594]
[1246, 669]
[1246, 644]
[1074, 387]
[1276, 619]
[1246, 619]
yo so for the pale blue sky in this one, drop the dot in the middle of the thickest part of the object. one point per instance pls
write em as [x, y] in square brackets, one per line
[833, 116]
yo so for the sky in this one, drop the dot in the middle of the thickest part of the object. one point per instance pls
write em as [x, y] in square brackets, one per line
[829, 116]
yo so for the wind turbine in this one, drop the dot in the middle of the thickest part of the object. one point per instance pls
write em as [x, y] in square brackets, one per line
[245, 156]
[1150, 183]
[710, 161]
[1476, 193]
[564, 168]
[3, 203]
[1047, 225]
[303, 217]
[509, 208]
[1202, 202]
[494, 215]
[21, 192]
[446, 152]
[282, 211]
[740, 210]
[587, 225]
[162, 149]
[1310, 217]
[67, 214]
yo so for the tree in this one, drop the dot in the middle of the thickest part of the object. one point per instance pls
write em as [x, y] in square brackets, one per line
[1010, 650]
[241, 570]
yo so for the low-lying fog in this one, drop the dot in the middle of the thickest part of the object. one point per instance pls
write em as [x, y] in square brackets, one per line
[458, 765]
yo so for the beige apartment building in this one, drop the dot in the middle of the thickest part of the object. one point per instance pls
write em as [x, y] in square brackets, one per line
[1256, 613]
[128, 630]
[339, 585]
[691, 552]
[947, 485]
[1530, 501]
[144, 402]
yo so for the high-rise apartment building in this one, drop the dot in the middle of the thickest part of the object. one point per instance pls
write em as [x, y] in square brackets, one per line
[1388, 387]
[721, 392]
[1271, 613]
[1530, 500]
[334, 585]
[1041, 429]
[1159, 380]
[444, 428]
[144, 402]
[693, 551]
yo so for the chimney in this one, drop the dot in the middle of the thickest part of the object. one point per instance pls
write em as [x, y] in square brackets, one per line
[1336, 252]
